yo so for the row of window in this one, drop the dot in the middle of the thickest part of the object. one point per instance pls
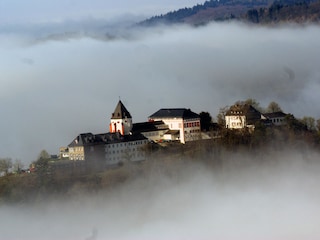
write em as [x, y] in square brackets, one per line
[195, 131]
[235, 117]
[76, 149]
[192, 131]
[233, 124]
[192, 124]
[236, 112]
[121, 151]
[125, 144]
[277, 120]
[76, 157]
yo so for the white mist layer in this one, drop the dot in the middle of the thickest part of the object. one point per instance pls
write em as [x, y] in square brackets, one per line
[245, 201]
[47, 85]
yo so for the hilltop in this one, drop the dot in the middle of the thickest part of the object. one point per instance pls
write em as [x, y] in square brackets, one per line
[234, 150]
[256, 11]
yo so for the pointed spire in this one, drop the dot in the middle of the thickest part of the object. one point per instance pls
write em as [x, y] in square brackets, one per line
[120, 112]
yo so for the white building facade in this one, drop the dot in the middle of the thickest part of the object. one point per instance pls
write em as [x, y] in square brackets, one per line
[125, 151]
[240, 116]
[186, 122]
[235, 121]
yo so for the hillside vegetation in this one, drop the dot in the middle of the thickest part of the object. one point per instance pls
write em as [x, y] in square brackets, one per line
[259, 11]
[233, 149]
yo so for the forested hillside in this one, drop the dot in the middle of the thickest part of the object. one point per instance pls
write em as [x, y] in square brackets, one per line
[256, 11]
[285, 11]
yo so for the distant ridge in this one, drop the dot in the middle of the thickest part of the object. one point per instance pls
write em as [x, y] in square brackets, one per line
[255, 11]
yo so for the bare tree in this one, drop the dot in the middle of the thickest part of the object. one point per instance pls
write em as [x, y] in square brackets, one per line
[273, 107]
[43, 155]
[318, 125]
[5, 165]
[221, 116]
[254, 103]
[250, 101]
[17, 166]
[42, 164]
[309, 122]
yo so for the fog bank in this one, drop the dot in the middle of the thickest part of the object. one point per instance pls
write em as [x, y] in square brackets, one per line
[277, 198]
[54, 88]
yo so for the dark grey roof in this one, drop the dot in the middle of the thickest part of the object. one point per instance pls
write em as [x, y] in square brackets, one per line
[83, 139]
[247, 110]
[174, 112]
[149, 126]
[120, 112]
[117, 137]
[89, 139]
[241, 109]
[274, 115]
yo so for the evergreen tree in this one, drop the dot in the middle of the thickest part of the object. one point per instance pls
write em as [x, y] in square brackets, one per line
[205, 121]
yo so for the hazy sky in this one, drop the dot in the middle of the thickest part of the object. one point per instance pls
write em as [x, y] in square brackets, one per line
[60, 75]
[16, 11]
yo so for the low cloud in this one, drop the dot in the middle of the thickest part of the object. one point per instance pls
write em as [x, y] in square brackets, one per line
[72, 86]
[275, 196]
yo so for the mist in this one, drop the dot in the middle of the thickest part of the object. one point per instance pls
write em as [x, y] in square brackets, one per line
[54, 87]
[35, 11]
[273, 196]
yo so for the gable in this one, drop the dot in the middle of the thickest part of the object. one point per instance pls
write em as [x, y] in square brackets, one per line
[120, 112]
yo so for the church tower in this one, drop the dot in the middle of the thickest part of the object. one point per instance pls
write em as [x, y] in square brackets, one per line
[121, 120]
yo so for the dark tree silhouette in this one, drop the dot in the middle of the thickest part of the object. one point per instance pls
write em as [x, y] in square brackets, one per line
[205, 121]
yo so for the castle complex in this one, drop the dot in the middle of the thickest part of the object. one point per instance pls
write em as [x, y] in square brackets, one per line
[126, 141]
